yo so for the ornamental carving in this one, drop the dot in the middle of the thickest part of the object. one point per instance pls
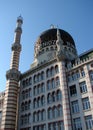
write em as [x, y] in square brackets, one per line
[16, 47]
[13, 74]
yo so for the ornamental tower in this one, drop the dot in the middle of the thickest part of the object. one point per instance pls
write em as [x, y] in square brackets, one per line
[9, 117]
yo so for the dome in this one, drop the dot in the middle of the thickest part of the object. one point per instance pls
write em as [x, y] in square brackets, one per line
[51, 34]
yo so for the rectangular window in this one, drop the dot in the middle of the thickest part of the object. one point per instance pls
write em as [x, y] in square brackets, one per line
[77, 124]
[73, 91]
[89, 122]
[86, 103]
[83, 87]
[75, 106]
[91, 76]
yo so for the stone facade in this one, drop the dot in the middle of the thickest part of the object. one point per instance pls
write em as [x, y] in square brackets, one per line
[56, 93]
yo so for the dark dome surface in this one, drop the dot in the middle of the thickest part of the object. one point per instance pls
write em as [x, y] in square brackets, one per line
[51, 34]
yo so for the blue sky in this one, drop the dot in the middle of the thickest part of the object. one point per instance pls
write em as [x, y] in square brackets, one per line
[73, 16]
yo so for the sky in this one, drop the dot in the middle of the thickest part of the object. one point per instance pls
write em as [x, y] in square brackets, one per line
[73, 16]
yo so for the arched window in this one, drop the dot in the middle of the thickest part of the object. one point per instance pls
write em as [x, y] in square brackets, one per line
[59, 108]
[30, 81]
[53, 83]
[49, 98]
[49, 113]
[39, 102]
[35, 103]
[43, 114]
[42, 100]
[53, 96]
[38, 89]
[35, 117]
[48, 73]
[22, 107]
[42, 87]
[59, 95]
[39, 114]
[39, 77]
[26, 106]
[24, 83]
[52, 71]
[42, 75]
[48, 85]
[56, 69]
[57, 81]
[27, 82]
[60, 126]
[35, 78]
[55, 112]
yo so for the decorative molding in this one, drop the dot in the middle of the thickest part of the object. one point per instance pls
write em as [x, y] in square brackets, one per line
[13, 74]
[16, 47]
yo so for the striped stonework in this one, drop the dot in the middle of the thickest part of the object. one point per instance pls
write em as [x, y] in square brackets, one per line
[9, 115]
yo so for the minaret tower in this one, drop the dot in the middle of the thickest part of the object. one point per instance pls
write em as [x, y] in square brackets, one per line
[9, 117]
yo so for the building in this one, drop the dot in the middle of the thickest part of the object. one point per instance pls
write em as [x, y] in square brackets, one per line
[1, 105]
[56, 92]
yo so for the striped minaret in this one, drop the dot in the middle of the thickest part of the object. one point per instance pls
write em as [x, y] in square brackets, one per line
[9, 116]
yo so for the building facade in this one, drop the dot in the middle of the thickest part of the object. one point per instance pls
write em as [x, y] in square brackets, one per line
[56, 92]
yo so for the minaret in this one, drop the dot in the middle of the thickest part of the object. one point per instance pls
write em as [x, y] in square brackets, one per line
[9, 116]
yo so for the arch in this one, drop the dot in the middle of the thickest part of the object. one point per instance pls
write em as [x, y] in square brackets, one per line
[59, 95]
[60, 111]
[53, 96]
[57, 81]
[56, 69]
[30, 80]
[52, 71]
[42, 75]
[49, 113]
[48, 85]
[49, 98]
[43, 100]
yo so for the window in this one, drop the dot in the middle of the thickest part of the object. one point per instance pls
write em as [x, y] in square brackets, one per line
[83, 87]
[77, 124]
[75, 106]
[91, 75]
[49, 113]
[57, 81]
[60, 126]
[53, 83]
[49, 98]
[59, 95]
[82, 73]
[73, 91]
[55, 112]
[86, 103]
[60, 113]
[56, 69]
[89, 122]
[48, 85]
